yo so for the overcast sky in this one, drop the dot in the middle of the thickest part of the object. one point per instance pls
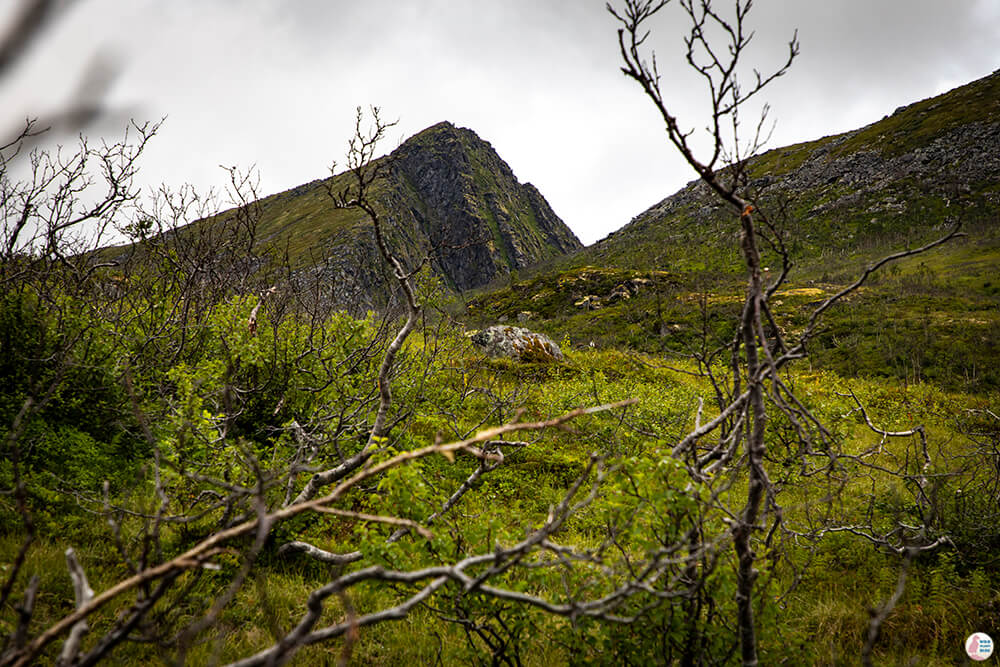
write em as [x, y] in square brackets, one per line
[275, 84]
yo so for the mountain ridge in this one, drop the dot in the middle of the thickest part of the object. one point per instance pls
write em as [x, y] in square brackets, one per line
[445, 194]
[924, 157]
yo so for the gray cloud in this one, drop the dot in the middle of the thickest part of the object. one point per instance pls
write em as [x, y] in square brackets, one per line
[275, 84]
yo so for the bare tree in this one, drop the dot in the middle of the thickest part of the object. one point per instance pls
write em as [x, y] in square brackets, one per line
[754, 391]
[366, 170]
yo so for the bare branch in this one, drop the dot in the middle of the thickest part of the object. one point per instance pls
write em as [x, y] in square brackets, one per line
[320, 554]
[84, 594]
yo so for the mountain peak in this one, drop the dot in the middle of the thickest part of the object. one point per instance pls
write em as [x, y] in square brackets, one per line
[436, 132]
[444, 194]
[443, 125]
[482, 223]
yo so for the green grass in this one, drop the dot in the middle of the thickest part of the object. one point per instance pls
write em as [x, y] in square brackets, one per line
[823, 620]
[930, 317]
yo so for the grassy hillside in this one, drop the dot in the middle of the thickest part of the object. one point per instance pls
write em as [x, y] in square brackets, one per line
[892, 182]
[840, 203]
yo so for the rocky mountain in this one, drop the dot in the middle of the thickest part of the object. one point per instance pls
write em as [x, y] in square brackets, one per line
[445, 194]
[893, 182]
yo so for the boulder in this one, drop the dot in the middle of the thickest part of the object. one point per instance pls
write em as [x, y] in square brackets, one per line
[517, 343]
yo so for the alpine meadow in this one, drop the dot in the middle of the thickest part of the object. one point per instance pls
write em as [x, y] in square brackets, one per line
[401, 415]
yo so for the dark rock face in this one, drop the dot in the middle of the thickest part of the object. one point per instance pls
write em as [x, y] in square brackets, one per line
[338, 280]
[517, 343]
[479, 221]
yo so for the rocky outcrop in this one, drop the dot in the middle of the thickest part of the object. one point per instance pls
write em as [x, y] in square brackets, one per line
[958, 160]
[517, 343]
[480, 222]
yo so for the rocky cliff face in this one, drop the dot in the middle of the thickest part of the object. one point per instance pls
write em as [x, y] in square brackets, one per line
[446, 195]
[480, 222]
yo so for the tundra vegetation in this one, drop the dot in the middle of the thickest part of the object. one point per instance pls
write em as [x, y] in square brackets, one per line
[206, 461]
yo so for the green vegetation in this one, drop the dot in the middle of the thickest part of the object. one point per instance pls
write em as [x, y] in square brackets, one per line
[927, 318]
[185, 405]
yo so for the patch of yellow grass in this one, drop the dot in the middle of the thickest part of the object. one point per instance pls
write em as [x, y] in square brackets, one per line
[802, 291]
